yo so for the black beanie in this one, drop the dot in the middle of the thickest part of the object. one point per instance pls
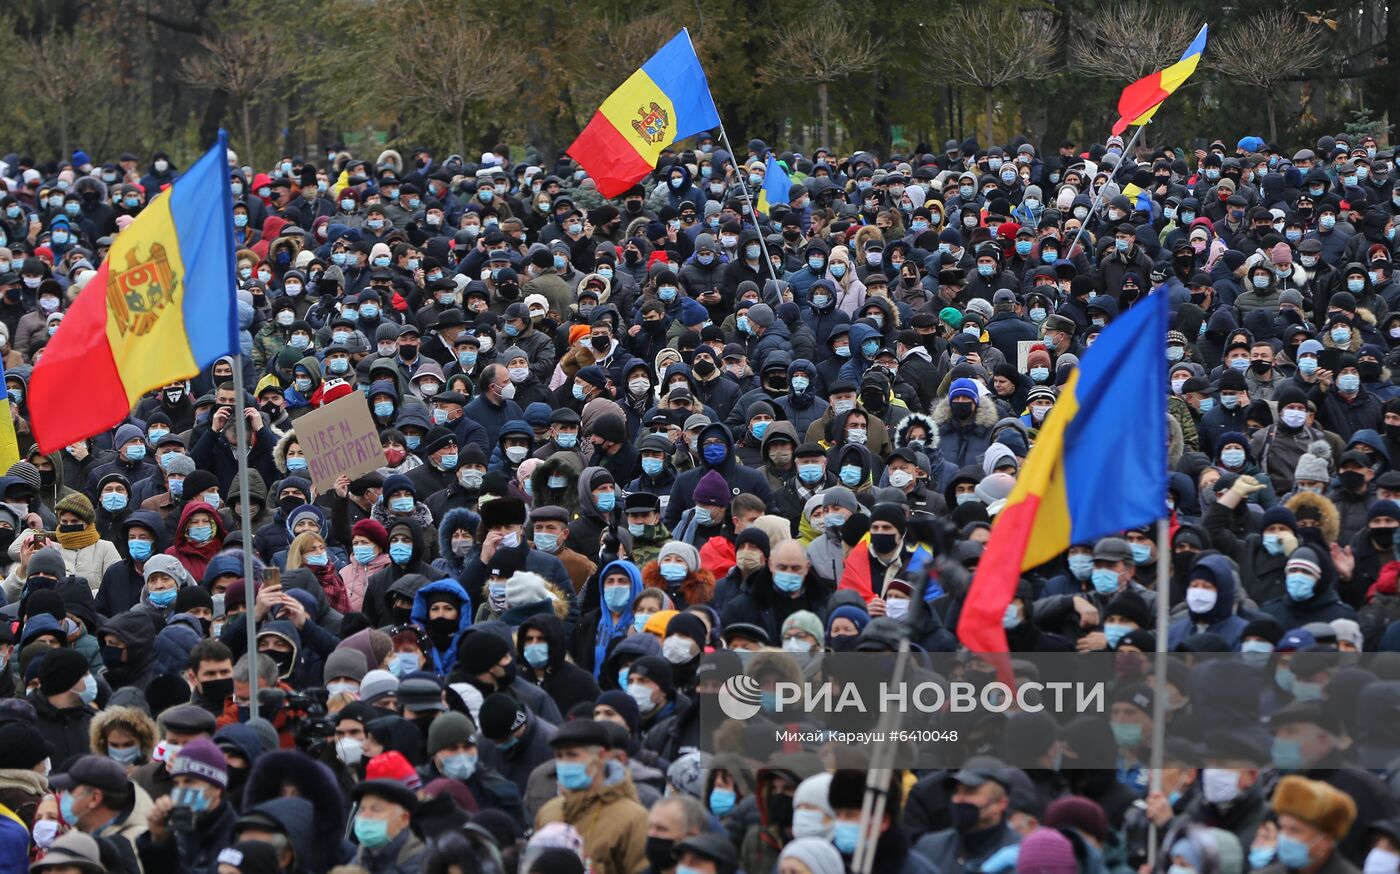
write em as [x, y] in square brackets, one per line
[888, 511]
[191, 597]
[753, 536]
[61, 670]
[480, 651]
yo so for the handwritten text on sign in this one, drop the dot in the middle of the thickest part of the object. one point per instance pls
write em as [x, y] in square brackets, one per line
[339, 439]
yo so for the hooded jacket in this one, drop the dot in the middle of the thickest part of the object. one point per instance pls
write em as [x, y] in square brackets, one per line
[802, 408]
[597, 629]
[740, 479]
[122, 584]
[443, 658]
[1220, 619]
[565, 682]
[196, 556]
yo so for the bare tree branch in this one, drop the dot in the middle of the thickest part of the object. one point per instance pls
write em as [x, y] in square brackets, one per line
[1268, 48]
[991, 44]
[1131, 39]
[451, 63]
[818, 47]
[244, 60]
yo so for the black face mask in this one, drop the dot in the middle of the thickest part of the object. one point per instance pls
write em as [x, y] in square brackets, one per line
[780, 811]
[217, 691]
[1369, 371]
[704, 367]
[962, 409]
[1260, 367]
[884, 544]
[271, 410]
[792, 235]
[112, 656]
[442, 628]
[289, 503]
[659, 853]
[1352, 480]
[400, 614]
[963, 816]
[1383, 537]
[71, 528]
[600, 343]
[283, 660]
[1391, 431]
[408, 352]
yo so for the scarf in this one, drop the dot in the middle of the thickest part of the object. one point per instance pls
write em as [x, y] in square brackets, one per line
[76, 540]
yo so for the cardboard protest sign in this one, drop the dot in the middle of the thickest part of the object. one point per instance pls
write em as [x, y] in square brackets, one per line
[339, 438]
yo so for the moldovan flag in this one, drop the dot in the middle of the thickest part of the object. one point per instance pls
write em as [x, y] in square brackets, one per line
[667, 100]
[160, 309]
[1139, 101]
[1099, 465]
[776, 185]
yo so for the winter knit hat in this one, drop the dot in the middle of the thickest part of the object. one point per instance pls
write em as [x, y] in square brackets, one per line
[393, 766]
[713, 489]
[47, 562]
[376, 684]
[963, 388]
[761, 314]
[344, 662]
[372, 530]
[684, 551]
[449, 729]
[1046, 851]
[77, 504]
[1077, 812]
[202, 758]
[806, 621]
[1304, 559]
[525, 588]
[61, 670]
[1314, 463]
[818, 854]
[752, 536]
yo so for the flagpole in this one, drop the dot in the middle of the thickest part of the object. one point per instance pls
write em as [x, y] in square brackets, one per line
[1098, 195]
[751, 205]
[1159, 697]
[246, 522]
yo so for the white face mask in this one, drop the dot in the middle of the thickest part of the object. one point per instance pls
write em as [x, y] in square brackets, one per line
[349, 750]
[1201, 600]
[1220, 785]
[897, 608]
[1378, 861]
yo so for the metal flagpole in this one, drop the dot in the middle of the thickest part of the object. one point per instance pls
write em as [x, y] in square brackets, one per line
[1159, 698]
[1098, 195]
[246, 521]
[750, 204]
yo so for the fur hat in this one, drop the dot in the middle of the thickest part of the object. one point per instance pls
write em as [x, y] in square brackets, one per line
[1316, 803]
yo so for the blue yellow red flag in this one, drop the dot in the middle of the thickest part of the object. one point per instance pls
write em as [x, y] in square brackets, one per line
[160, 309]
[1099, 466]
[667, 100]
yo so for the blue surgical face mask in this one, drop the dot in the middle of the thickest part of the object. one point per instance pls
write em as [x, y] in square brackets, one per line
[722, 801]
[1300, 586]
[1081, 565]
[1142, 552]
[702, 517]
[1292, 853]
[1287, 754]
[1273, 544]
[1114, 632]
[846, 837]
[652, 466]
[1232, 458]
[1105, 581]
[810, 473]
[606, 501]
[400, 553]
[364, 552]
[163, 599]
[1349, 382]
[714, 453]
[851, 475]
[114, 502]
[572, 775]
[1256, 652]
[673, 572]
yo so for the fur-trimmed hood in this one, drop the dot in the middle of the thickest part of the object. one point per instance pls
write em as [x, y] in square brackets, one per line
[985, 416]
[1331, 525]
[130, 720]
[276, 772]
[901, 430]
[696, 588]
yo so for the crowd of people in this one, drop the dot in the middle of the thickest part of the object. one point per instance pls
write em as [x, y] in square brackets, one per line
[635, 448]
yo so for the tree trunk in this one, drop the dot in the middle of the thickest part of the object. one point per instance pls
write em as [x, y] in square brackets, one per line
[247, 133]
[824, 109]
[989, 105]
[63, 127]
[1273, 116]
[458, 140]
